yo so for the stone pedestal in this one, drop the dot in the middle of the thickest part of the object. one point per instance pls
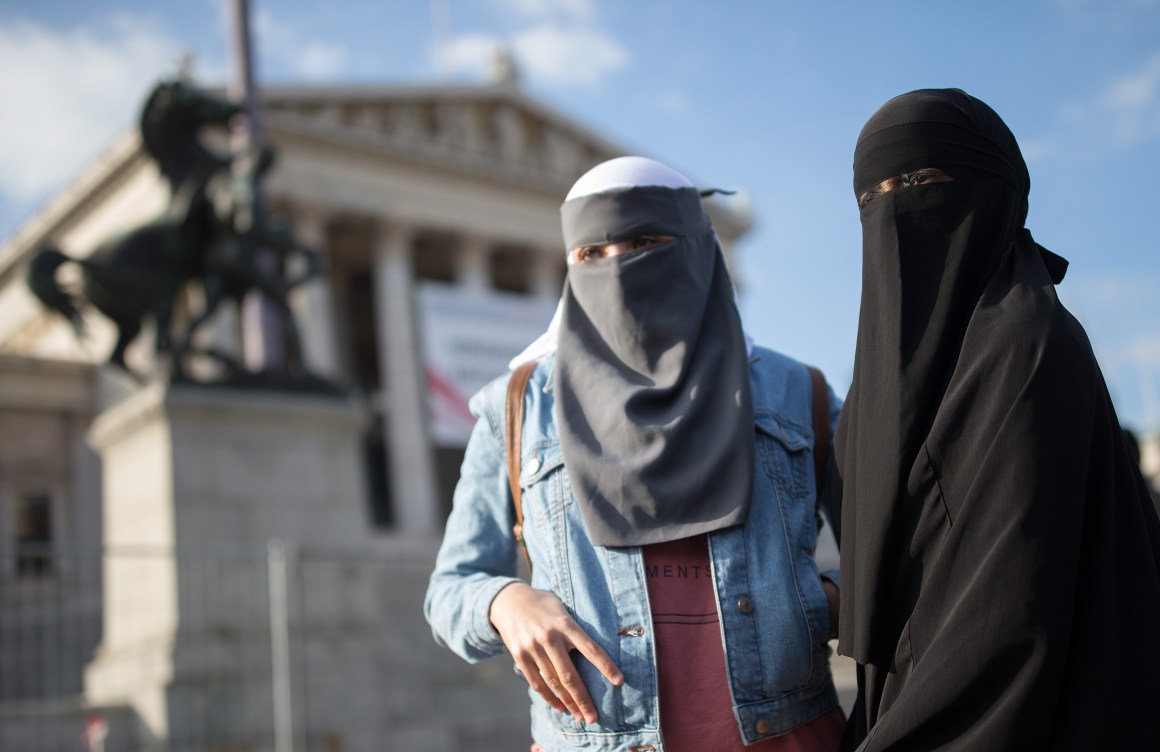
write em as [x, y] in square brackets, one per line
[196, 482]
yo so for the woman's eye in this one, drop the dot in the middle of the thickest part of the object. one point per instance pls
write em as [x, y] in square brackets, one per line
[644, 242]
[924, 176]
[609, 250]
[587, 253]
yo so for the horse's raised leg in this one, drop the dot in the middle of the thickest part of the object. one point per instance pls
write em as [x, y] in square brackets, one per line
[127, 329]
[212, 291]
[162, 339]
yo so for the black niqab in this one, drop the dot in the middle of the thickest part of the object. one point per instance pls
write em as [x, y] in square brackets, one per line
[1000, 565]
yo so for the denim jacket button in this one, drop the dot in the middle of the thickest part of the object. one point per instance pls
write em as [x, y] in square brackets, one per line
[762, 726]
[534, 464]
[745, 604]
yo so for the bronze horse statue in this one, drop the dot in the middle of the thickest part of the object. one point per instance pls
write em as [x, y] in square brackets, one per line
[141, 272]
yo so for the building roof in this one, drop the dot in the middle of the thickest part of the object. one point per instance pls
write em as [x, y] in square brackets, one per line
[494, 132]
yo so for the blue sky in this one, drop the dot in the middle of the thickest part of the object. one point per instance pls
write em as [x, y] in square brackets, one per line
[766, 97]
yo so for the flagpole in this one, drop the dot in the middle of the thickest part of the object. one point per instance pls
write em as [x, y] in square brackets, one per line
[262, 338]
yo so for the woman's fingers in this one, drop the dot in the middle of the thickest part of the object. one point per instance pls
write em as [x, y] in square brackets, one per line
[590, 649]
[541, 635]
[529, 667]
[559, 671]
[565, 682]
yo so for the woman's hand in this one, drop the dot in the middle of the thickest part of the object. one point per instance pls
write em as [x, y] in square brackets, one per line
[540, 635]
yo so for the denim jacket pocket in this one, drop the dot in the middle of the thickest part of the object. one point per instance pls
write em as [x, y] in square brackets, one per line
[785, 451]
[547, 496]
[538, 462]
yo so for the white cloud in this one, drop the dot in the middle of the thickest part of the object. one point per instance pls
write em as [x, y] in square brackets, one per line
[579, 10]
[1137, 90]
[547, 54]
[1115, 291]
[469, 55]
[1124, 113]
[580, 56]
[1137, 362]
[1037, 149]
[313, 59]
[1145, 350]
[1118, 313]
[76, 89]
[553, 42]
[321, 60]
[1132, 104]
[674, 102]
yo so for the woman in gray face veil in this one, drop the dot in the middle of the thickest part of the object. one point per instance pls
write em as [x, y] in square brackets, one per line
[668, 496]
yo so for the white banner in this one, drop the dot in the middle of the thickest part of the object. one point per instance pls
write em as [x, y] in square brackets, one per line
[467, 339]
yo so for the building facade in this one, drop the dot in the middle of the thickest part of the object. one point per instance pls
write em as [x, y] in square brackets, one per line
[435, 209]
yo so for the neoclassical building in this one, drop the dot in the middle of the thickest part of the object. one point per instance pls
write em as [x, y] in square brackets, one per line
[416, 196]
[435, 209]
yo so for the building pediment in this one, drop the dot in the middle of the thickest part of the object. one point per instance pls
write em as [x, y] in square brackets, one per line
[496, 131]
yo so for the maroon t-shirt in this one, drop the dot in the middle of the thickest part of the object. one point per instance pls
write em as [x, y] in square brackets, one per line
[695, 701]
[696, 704]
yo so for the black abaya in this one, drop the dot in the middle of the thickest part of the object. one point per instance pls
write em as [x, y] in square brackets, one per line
[1000, 557]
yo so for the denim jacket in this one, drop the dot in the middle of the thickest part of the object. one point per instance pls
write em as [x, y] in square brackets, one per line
[774, 614]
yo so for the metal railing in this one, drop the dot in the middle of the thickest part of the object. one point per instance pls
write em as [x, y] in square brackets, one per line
[284, 650]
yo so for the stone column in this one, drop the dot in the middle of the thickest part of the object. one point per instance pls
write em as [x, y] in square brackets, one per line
[472, 271]
[313, 302]
[412, 466]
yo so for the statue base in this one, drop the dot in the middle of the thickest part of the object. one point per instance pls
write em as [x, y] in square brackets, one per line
[196, 482]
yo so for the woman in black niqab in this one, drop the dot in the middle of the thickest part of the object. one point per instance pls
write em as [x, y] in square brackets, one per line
[1000, 558]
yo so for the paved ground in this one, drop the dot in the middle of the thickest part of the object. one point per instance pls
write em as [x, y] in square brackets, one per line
[845, 678]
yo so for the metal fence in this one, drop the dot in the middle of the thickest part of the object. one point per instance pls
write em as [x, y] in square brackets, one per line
[144, 650]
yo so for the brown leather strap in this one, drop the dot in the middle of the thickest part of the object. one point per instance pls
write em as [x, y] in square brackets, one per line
[514, 424]
[821, 409]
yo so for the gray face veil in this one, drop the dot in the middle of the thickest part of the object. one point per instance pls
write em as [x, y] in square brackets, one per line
[653, 400]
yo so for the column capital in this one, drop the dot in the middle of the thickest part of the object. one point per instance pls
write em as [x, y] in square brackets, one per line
[308, 218]
[308, 225]
[393, 236]
[472, 262]
[475, 244]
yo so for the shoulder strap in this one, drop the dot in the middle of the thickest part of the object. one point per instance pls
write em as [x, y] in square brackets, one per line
[821, 410]
[514, 422]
